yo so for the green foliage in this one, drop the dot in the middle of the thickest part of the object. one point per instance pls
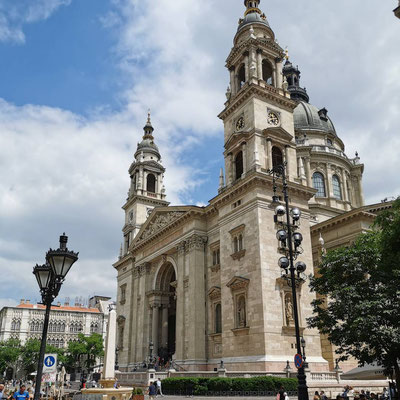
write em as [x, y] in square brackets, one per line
[10, 350]
[203, 385]
[362, 285]
[137, 391]
[30, 355]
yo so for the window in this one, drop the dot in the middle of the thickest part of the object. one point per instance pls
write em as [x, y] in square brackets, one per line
[329, 142]
[337, 192]
[238, 246]
[218, 318]
[277, 157]
[94, 327]
[240, 242]
[241, 76]
[151, 183]
[235, 244]
[319, 184]
[239, 165]
[216, 257]
[267, 72]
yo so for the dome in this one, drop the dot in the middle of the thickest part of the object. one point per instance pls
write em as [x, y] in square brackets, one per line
[148, 146]
[253, 18]
[308, 117]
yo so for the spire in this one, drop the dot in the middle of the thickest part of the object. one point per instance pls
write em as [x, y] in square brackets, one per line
[292, 75]
[252, 6]
[148, 129]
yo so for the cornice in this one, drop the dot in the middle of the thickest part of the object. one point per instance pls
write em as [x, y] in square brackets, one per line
[253, 89]
[145, 200]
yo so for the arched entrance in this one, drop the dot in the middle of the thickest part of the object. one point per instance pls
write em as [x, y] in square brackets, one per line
[166, 325]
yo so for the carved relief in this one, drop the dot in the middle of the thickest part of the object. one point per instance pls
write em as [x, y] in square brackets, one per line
[196, 242]
[214, 293]
[160, 222]
[289, 313]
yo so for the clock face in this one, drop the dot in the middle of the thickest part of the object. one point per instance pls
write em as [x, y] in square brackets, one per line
[273, 118]
[240, 124]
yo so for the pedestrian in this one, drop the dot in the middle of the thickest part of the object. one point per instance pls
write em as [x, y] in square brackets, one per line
[316, 396]
[286, 396]
[281, 394]
[152, 391]
[1, 390]
[22, 394]
[189, 389]
[323, 395]
[159, 390]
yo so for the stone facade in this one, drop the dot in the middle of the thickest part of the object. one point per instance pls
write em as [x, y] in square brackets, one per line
[202, 284]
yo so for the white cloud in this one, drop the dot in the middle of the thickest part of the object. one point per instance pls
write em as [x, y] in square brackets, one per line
[15, 14]
[62, 171]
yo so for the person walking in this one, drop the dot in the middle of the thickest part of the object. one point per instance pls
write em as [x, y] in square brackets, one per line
[21, 394]
[316, 396]
[152, 391]
[323, 395]
[1, 390]
[159, 390]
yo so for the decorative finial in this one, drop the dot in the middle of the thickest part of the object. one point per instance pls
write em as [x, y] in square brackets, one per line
[148, 116]
[356, 153]
[287, 53]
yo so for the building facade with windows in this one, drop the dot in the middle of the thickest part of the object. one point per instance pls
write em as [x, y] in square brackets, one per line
[25, 321]
[202, 284]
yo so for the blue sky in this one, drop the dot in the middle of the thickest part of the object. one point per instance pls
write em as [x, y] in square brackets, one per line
[77, 78]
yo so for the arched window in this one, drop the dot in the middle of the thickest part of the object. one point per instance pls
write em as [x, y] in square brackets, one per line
[240, 243]
[218, 318]
[241, 76]
[151, 183]
[267, 72]
[337, 191]
[277, 157]
[319, 184]
[239, 165]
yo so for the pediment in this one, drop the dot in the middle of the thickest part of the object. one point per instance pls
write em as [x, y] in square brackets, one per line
[214, 292]
[278, 134]
[238, 282]
[235, 138]
[159, 219]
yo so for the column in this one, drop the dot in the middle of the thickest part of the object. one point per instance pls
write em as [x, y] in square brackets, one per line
[253, 64]
[329, 183]
[180, 304]
[360, 190]
[269, 153]
[308, 172]
[141, 177]
[246, 65]
[197, 299]
[279, 74]
[275, 76]
[164, 326]
[344, 186]
[259, 64]
[244, 152]
[154, 329]
[230, 167]
[233, 83]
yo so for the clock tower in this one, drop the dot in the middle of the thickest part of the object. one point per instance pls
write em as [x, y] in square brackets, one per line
[258, 114]
[146, 189]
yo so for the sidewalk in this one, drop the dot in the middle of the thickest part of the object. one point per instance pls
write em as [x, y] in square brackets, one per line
[215, 398]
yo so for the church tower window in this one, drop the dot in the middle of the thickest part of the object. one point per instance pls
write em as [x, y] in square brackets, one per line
[337, 192]
[151, 183]
[319, 184]
[277, 157]
[239, 165]
[267, 72]
[241, 76]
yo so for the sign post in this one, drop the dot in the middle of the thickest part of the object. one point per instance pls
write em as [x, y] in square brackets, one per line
[50, 363]
[298, 361]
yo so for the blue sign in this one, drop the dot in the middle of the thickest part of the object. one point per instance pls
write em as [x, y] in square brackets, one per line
[49, 361]
[298, 360]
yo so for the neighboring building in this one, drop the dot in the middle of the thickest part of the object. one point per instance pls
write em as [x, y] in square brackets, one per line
[203, 283]
[25, 321]
[397, 11]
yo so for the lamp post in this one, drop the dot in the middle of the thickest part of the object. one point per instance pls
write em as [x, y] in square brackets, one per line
[303, 346]
[50, 277]
[290, 245]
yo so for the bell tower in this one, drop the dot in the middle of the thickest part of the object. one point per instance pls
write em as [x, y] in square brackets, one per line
[146, 189]
[258, 114]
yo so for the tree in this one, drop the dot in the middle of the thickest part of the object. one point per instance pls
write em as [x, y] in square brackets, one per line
[10, 351]
[84, 352]
[358, 306]
[30, 355]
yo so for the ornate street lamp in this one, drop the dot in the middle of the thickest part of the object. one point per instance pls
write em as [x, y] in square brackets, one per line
[290, 245]
[50, 277]
[151, 347]
[303, 346]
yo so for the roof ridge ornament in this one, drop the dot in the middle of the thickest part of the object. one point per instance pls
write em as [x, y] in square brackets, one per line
[148, 129]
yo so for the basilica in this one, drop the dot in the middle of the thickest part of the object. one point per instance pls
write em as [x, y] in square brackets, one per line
[201, 285]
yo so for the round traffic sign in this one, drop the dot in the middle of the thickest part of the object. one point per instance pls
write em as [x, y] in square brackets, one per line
[298, 360]
[49, 361]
